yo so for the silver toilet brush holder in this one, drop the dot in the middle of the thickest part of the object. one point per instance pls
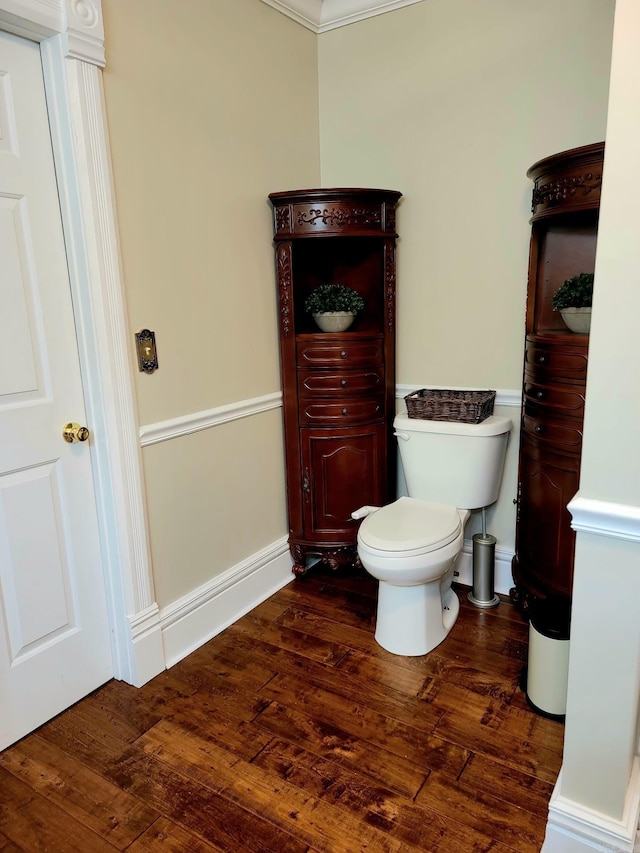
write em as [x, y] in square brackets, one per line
[484, 557]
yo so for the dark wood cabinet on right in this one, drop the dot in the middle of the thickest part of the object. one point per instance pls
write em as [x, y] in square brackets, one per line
[566, 201]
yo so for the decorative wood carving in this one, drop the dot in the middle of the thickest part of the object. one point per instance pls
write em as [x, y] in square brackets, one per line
[283, 219]
[284, 285]
[557, 192]
[339, 216]
[390, 284]
[566, 183]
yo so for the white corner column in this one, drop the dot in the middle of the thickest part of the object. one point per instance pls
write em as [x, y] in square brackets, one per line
[596, 801]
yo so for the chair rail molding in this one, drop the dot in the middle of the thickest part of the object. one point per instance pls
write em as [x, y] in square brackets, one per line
[187, 424]
[319, 16]
[71, 38]
[603, 518]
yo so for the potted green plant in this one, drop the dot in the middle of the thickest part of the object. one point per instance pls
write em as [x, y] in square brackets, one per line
[334, 306]
[573, 300]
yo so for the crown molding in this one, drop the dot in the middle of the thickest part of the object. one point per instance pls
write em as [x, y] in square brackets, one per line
[319, 16]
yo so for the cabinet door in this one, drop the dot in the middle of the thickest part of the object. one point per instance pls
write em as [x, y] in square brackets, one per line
[342, 471]
[546, 541]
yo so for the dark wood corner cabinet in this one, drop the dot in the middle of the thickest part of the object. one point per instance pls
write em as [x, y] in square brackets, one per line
[566, 200]
[338, 388]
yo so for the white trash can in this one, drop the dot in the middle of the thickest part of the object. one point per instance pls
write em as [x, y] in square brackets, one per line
[548, 660]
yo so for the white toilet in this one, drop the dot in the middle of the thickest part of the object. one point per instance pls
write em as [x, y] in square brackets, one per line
[411, 546]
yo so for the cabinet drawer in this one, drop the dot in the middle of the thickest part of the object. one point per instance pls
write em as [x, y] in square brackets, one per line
[344, 413]
[563, 437]
[322, 383]
[545, 363]
[556, 400]
[345, 353]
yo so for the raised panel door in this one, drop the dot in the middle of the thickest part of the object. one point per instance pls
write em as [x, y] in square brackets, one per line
[342, 471]
[54, 634]
[545, 543]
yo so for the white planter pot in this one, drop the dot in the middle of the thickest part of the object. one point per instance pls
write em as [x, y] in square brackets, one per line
[334, 321]
[577, 319]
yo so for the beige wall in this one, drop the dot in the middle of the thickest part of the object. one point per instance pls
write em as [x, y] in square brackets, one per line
[210, 106]
[450, 101]
[215, 498]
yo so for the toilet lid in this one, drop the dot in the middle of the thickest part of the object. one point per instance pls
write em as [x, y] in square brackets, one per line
[409, 524]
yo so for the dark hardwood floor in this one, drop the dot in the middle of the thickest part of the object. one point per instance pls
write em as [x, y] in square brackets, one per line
[293, 732]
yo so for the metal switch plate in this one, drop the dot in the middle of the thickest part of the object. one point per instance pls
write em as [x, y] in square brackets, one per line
[146, 349]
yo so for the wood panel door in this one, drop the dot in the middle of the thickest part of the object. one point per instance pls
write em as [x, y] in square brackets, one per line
[342, 471]
[54, 633]
[546, 541]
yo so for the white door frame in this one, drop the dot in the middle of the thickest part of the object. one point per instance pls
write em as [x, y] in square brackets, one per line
[71, 37]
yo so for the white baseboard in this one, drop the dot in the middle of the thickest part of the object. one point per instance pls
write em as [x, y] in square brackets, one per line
[195, 618]
[145, 657]
[503, 579]
[572, 828]
[192, 620]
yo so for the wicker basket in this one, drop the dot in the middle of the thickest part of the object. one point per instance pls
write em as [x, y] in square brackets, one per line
[468, 407]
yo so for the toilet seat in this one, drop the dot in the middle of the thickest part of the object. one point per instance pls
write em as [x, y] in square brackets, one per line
[411, 527]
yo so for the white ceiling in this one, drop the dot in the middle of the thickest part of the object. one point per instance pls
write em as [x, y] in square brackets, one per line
[322, 15]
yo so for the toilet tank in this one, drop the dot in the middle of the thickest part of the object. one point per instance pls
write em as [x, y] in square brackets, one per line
[451, 462]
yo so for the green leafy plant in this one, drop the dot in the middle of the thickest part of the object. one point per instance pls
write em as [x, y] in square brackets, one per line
[576, 292]
[334, 297]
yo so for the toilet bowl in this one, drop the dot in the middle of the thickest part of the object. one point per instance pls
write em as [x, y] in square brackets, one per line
[411, 547]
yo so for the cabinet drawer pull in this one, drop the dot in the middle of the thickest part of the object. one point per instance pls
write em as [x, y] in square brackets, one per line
[538, 429]
[344, 383]
[343, 354]
[539, 394]
[345, 412]
[542, 359]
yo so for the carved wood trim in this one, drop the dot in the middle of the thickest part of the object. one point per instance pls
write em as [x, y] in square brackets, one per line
[333, 556]
[340, 216]
[390, 284]
[283, 219]
[285, 290]
[557, 192]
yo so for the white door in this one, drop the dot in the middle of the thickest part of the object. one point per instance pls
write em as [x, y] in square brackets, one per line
[54, 634]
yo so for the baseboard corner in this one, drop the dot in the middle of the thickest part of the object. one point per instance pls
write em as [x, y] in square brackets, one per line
[199, 616]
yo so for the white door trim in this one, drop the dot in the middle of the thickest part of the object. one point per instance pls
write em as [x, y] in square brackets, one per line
[71, 39]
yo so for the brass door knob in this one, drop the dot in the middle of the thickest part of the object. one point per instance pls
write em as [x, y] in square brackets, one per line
[72, 432]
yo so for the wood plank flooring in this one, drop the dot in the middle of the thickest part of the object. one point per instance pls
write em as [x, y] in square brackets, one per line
[294, 732]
